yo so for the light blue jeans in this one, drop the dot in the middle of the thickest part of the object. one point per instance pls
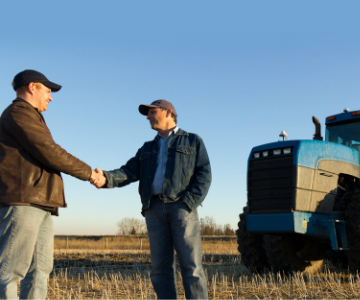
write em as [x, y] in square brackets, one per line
[174, 226]
[26, 251]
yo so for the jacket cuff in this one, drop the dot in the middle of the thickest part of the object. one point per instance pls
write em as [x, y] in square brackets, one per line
[189, 201]
[90, 174]
[108, 183]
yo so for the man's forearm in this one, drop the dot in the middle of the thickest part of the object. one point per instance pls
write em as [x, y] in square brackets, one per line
[33, 135]
[120, 177]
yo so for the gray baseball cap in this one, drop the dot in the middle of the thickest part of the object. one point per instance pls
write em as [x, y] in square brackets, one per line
[144, 108]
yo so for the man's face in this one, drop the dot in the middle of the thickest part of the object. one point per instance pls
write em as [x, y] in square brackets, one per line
[42, 97]
[157, 118]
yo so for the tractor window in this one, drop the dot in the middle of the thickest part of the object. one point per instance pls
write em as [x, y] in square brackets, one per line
[345, 134]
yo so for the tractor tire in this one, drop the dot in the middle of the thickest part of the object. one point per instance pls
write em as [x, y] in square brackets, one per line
[287, 254]
[250, 246]
[353, 233]
[338, 258]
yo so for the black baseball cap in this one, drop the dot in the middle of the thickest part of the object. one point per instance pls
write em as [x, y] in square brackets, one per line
[144, 108]
[27, 76]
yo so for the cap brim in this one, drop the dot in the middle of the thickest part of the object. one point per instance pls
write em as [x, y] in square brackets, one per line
[51, 85]
[144, 109]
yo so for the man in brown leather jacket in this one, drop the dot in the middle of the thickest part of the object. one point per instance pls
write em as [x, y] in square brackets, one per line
[31, 188]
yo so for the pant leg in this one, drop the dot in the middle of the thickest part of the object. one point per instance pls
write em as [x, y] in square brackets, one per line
[162, 274]
[185, 230]
[34, 285]
[19, 228]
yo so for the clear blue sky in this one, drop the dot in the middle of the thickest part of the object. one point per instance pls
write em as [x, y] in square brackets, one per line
[238, 72]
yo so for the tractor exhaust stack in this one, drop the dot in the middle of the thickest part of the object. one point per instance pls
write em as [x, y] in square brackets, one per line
[317, 135]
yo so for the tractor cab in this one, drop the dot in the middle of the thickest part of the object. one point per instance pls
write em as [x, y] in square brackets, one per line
[344, 129]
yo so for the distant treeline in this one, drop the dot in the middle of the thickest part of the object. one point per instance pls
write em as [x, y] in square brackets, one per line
[134, 227]
[208, 226]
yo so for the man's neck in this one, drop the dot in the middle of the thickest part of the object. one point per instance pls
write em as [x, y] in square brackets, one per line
[165, 133]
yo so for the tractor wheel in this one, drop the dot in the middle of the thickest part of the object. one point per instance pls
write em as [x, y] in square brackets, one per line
[353, 233]
[287, 254]
[338, 258]
[250, 245]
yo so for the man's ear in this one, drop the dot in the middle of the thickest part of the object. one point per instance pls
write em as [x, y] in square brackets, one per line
[168, 113]
[31, 87]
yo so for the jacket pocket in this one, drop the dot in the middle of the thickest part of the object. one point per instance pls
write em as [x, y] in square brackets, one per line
[144, 162]
[186, 150]
[144, 156]
[37, 181]
[146, 165]
[185, 157]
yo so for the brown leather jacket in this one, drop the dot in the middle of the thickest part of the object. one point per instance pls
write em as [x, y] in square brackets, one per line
[30, 160]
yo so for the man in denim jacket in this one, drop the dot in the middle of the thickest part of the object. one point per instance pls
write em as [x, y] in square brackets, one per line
[174, 177]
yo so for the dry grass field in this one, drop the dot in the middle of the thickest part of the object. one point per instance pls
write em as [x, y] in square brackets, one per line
[86, 270]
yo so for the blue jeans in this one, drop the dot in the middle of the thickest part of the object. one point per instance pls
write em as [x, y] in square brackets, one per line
[173, 226]
[26, 251]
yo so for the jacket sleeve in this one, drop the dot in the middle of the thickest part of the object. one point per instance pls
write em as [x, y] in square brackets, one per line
[30, 131]
[200, 184]
[128, 173]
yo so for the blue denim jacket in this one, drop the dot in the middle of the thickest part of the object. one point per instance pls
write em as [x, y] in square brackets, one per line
[187, 176]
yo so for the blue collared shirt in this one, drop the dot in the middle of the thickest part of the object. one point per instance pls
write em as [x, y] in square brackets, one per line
[157, 186]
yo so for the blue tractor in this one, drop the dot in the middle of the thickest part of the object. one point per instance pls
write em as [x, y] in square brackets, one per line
[304, 200]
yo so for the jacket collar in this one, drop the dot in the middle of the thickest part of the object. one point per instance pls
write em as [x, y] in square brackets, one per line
[182, 132]
[18, 99]
[178, 133]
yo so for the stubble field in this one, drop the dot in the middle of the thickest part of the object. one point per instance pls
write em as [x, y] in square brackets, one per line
[116, 268]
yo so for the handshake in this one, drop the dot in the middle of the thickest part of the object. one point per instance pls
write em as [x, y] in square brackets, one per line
[98, 178]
